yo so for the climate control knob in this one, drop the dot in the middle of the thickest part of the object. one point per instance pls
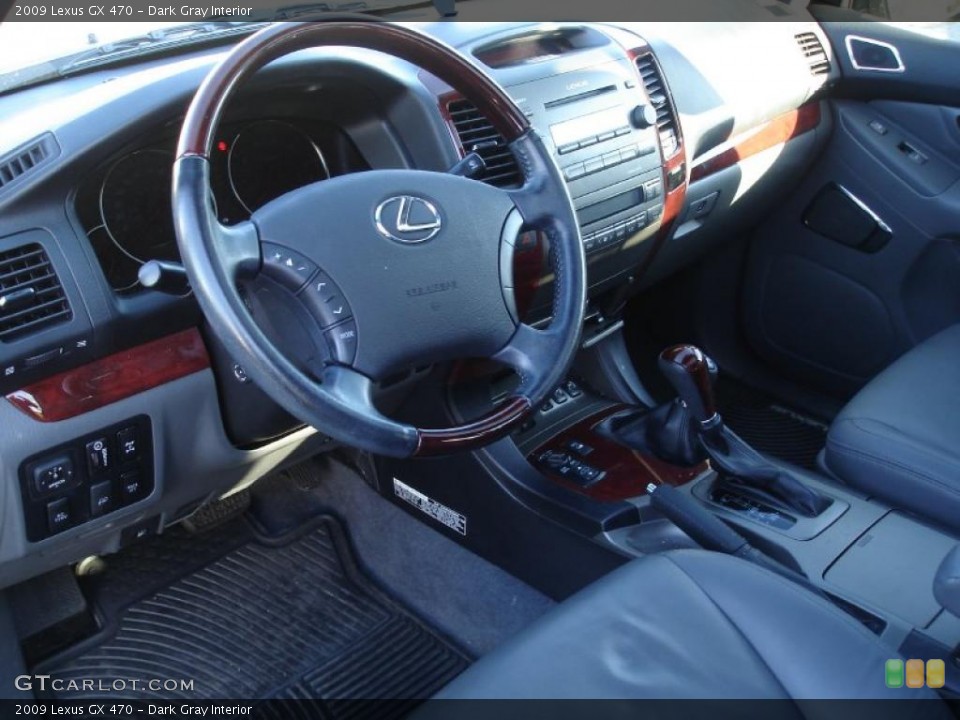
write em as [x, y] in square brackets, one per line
[643, 116]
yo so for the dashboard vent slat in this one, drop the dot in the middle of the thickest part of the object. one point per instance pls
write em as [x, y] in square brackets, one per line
[652, 78]
[477, 134]
[813, 53]
[22, 161]
[31, 295]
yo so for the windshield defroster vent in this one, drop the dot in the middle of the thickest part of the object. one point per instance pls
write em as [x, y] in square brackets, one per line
[31, 296]
[657, 92]
[813, 52]
[477, 134]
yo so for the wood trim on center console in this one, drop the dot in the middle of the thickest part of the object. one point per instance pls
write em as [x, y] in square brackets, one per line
[627, 472]
[115, 377]
[778, 131]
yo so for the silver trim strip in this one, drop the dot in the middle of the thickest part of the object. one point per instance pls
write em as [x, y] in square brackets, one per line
[866, 208]
[848, 41]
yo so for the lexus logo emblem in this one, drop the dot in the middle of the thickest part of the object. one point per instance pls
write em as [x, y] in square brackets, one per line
[408, 219]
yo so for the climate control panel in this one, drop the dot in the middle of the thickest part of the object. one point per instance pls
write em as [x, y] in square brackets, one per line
[87, 478]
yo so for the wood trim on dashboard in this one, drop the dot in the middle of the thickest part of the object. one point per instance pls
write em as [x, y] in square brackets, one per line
[778, 131]
[115, 377]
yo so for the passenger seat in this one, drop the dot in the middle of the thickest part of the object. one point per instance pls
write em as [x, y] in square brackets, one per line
[899, 438]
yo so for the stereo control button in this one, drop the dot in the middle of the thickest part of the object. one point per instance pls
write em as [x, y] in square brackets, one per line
[593, 165]
[325, 301]
[342, 340]
[286, 266]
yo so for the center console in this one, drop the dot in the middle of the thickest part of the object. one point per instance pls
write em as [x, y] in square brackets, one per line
[601, 105]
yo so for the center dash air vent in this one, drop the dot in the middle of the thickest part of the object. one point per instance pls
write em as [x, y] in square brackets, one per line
[477, 134]
[813, 52]
[31, 296]
[657, 91]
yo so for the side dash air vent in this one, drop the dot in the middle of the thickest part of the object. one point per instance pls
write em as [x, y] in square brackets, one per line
[478, 135]
[813, 52]
[31, 296]
[22, 161]
[657, 91]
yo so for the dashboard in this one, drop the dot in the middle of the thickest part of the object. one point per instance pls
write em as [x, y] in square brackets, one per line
[644, 120]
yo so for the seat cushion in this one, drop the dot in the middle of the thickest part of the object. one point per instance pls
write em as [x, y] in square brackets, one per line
[899, 438]
[686, 624]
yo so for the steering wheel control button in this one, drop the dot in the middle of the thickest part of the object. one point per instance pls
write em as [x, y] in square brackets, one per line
[59, 516]
[99, 456]
[127, 442]
[342, 340]
[54, 476]
[325, 301]
[101, 498]
[286, 266]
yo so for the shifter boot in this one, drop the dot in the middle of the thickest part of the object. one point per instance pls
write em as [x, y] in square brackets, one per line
[667, 431]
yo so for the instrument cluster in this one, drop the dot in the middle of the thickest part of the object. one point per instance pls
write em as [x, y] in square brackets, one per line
[126, 207]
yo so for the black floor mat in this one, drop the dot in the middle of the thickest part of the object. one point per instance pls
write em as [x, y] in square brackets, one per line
[249, 618]
[769, 426]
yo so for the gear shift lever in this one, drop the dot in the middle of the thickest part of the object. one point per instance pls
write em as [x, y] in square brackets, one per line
[692, 375]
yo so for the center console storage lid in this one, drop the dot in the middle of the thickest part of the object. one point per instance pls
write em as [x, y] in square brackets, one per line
[893, 565]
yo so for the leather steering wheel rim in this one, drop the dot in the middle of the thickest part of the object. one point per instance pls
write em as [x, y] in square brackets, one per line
[338, 399]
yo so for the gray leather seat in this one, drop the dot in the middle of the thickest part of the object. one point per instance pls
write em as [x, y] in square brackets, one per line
[687, 624]
[899, 438]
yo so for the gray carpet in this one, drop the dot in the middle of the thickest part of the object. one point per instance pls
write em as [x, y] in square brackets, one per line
[473, 602]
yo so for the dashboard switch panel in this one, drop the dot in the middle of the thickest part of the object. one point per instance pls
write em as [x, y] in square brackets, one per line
[87, 478]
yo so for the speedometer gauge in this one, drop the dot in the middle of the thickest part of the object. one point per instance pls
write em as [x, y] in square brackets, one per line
[135, 206]
[271, 158]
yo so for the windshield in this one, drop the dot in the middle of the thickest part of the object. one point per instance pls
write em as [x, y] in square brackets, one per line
[34, 51]
[23, 44]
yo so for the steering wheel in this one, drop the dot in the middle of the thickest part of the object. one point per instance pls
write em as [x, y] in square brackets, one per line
[398, 268]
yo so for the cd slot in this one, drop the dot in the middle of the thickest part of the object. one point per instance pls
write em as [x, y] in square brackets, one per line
[581, 96]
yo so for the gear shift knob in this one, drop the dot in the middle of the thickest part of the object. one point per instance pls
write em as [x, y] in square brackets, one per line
[692, 375]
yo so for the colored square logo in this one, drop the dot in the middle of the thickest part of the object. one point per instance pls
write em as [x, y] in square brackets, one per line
[915, 673]
[936, 673]
[894, 673]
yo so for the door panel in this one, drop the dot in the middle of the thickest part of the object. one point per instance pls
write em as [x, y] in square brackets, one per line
[862, 262]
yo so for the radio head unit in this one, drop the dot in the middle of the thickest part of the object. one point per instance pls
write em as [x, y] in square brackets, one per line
[602, 128]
